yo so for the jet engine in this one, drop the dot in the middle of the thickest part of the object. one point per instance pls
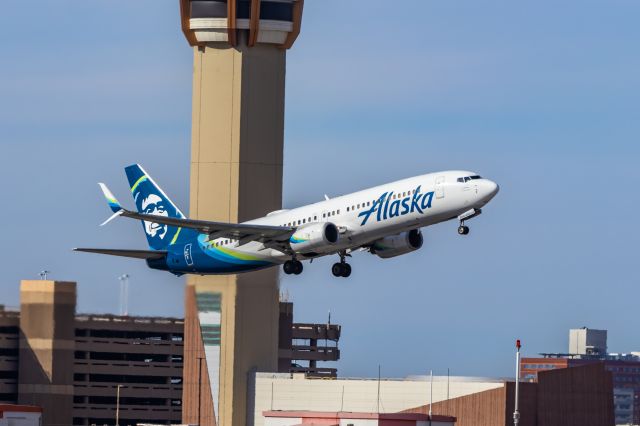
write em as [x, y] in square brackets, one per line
[314, 238]
[396, 245]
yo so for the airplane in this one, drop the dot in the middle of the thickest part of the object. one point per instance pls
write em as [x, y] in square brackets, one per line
[385, 220]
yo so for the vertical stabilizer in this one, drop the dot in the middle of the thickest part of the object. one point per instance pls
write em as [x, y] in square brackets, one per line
[151, 199]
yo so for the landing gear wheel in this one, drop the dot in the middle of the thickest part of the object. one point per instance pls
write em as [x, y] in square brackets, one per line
[346, 270]
[341, 269]
[463, 230]
[289, 267]
[297, 267]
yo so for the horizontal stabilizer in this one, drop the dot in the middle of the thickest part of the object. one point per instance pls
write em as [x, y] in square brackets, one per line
[136, 254]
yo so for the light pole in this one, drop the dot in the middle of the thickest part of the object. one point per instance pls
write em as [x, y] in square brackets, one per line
[430, 395]
[516, 413]
[43, 274]
[118, 406]
[124, 294]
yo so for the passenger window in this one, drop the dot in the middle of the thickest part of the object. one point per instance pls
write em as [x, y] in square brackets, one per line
[338, 211]
[347, 208]
[315, 218]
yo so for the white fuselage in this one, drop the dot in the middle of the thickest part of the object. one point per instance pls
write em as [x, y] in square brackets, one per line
[453, 193]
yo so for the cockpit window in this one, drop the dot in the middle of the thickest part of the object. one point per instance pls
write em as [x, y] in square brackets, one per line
[468, 178]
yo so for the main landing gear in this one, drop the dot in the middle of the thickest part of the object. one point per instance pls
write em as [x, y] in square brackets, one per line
[292, 267]
[342, 268]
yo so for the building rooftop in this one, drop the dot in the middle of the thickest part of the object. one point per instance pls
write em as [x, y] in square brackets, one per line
[359, 416]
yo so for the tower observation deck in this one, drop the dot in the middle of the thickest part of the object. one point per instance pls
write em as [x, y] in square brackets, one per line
[231, 322]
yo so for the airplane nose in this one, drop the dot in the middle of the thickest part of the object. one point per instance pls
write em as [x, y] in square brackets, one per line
[494, 188]
[489, 190]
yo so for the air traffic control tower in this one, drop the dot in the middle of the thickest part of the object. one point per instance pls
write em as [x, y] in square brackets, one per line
[231, 322]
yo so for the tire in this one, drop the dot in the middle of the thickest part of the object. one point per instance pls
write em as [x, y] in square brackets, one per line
[288, 267]
[346, 270]
[297, 267]
[463, 230]
[336, 269]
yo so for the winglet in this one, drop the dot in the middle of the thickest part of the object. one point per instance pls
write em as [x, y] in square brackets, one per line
[113, 203]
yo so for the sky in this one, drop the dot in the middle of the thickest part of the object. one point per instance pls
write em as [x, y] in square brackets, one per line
[541, 97]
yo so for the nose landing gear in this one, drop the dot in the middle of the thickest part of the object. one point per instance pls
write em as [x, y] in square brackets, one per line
[469, 214]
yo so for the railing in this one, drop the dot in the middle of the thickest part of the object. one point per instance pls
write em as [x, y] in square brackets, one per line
[316, 331]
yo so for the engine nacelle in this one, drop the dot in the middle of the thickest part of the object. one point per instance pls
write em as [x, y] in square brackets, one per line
[314, 237]
[396, 245]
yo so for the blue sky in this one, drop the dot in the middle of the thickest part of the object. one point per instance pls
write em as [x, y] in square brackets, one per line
[540, 96]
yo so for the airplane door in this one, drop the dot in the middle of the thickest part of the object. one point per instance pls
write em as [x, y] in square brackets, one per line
[440, 186]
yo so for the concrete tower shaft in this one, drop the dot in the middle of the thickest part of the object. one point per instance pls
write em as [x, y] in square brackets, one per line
[231, 324]
[47, 344]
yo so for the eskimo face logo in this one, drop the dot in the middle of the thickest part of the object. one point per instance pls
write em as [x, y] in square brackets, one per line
[152, 202]
[154, 205]
[387, 209]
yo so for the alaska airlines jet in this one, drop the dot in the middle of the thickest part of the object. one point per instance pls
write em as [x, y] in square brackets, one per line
[385, 220]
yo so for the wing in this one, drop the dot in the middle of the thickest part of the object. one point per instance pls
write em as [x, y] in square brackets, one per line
[276, 237]
[136, 254]
[242, 232]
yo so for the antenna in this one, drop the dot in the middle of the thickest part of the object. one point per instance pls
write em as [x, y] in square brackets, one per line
[43, 274]
[124, 294]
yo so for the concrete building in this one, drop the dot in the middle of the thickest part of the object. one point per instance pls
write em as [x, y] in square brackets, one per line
[623, 400]
[45, 348]
[287, 392]
[293, 418]
[581, 396]
[587, 341]
[302, 342]
[231, 322]
[71, 365]
[93, 355]
[588, 347]
[20, 415]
